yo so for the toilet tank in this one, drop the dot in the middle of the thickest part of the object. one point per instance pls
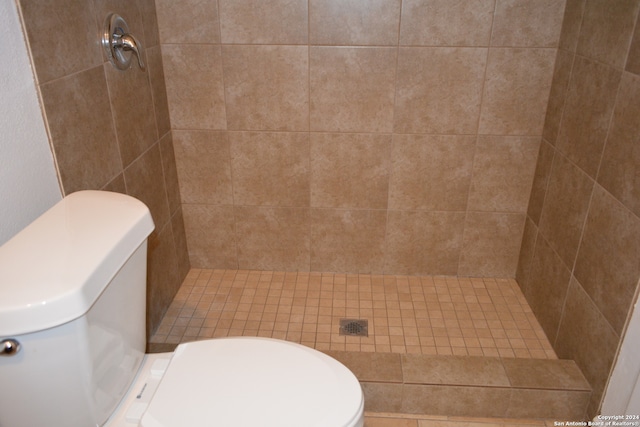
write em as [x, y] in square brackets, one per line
[72, 294]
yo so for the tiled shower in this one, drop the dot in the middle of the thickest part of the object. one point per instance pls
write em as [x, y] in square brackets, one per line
[485, 139]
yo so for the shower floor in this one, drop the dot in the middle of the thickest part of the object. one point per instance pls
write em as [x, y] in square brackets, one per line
[406, 314]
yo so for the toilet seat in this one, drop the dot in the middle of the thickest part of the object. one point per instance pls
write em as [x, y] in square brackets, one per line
[247, 381]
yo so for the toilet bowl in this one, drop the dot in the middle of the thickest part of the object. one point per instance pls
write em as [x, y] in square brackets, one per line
[72, 340]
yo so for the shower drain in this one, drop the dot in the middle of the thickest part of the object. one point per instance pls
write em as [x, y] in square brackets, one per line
[354, 327]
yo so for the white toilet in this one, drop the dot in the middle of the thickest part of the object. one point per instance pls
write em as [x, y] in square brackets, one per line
[72, 340]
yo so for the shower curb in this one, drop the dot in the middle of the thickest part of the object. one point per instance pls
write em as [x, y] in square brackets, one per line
[470, 386]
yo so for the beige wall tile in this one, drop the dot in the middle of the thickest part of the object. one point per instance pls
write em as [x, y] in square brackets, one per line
[188, 21]
[491, 244]
[163, 275]
[516, 91]
[210, 235]
[203, 163]
[607, 263]
[540, 181]
[431, 172]
[607, 29]
[343, 98]
[170, 173]
[273, 238]
[194, 86]
[81, 127]
[527, 23]
[423, 242]
[348, 240]
[523, 272]
[571, 23]
[270, 169]
[350, 170]
[547, 287]
[53, 59]
[132, 109]
[260, 22]
[353, 22]
[620, 168]
[587, 113]
[583, 326]
[446, 23]
[266, 87]
[503, 171]
[439, 89]
[180, 241]
[557, 95]
[144, 182]
[565, 208]
[633, 59]
[158, 90]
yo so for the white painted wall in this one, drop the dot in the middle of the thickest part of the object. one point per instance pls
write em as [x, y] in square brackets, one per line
[28, 180]
[622, 396]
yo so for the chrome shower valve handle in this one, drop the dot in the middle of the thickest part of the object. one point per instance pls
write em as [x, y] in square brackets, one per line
[119, 44]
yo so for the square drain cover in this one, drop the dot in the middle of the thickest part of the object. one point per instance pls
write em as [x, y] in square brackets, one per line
[354, 327]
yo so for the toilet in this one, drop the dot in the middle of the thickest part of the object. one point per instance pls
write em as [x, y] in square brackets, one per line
[72, 340]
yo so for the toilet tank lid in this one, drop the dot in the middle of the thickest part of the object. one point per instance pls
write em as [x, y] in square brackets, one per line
[53, 271]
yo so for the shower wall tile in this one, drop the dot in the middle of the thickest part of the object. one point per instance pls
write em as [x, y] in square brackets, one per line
[266, 87]
[607, 263]
[270, 169]
[540, 181]
[348, 240]
[44, 20]
[261, 22]
[571, 24]
[170, 173]
[499, 234]
[446, 23]
[423, 242]
[557, 95]
[516, 91]
[344, 114]
[547, 287]
[180, 242]
[211, 237]
[203, 162]
[525, 260]
[587, 113]
[431, 172]
[158, 90]
[81, 128]
[194, 86]
[565, 208]
[438, 90]
[144, 179]
[150, 23]
[620, 168]
[350, 170]
[527, 23]
[607, 29]
[633, 60]
[188, 21]
[501, 159]
[163, 273]
[135, 127]
[353, 22]
[271, 237]
[343, 98]
[583, 326]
